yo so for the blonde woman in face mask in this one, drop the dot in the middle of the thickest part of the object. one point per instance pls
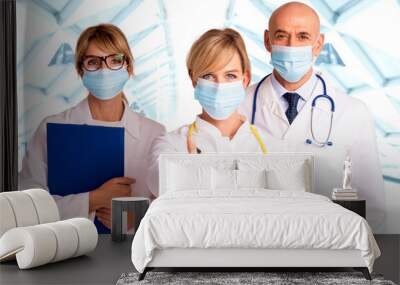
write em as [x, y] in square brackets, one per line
[219, 68]
[105, 63]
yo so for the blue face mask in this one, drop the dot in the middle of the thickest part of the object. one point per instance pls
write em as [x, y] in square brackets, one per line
[105, 84]
[292, 63]
[219, 100]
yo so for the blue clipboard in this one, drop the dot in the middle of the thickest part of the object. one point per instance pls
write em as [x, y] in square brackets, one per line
[81, 158]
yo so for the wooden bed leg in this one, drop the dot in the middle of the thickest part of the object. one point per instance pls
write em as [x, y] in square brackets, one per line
[364, 271]
[143, 274]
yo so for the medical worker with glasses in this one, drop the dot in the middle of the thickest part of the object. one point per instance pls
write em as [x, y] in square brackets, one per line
[299, 106]
[105, 63]
[219, 68]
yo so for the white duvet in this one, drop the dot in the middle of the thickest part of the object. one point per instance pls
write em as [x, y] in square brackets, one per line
[250, 219]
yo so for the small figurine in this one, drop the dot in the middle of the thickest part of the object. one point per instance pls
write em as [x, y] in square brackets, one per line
[347, 174]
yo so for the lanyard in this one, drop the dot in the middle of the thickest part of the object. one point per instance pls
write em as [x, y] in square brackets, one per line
[191, 146]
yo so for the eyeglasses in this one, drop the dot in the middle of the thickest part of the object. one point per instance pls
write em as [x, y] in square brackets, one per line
[113, 62]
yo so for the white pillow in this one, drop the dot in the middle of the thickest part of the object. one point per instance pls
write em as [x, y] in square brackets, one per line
[282, 174]
[224, 179]
[183, 177]
[293, 177]
[228, 179]
[251, 179]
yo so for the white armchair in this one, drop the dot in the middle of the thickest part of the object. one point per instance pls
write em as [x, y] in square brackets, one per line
[31, 232]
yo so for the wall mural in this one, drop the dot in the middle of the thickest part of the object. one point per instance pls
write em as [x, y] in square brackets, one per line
[360, 56]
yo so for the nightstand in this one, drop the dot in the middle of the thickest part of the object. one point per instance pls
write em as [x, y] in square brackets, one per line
[137, 205]
[357, 206]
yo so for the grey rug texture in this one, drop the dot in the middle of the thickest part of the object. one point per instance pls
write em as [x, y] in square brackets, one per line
[228, 278]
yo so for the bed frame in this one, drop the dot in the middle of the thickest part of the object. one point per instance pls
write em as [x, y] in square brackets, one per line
[241, 260]
[250, 259]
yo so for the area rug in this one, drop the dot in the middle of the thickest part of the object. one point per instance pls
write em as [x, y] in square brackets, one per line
[243, 278]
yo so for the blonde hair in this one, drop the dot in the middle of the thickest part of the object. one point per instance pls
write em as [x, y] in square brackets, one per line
[106, 37]
[213, 50]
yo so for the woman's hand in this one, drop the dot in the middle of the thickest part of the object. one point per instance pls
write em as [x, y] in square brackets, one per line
[115, 187]
[104, 216]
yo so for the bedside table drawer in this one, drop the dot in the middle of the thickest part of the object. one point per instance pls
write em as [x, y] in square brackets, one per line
[357, 206]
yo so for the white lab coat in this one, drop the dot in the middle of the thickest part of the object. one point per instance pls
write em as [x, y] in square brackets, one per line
[139, 133]
[352, 133]
[208, 139]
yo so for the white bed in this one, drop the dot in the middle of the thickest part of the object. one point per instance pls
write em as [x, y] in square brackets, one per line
[220, 211]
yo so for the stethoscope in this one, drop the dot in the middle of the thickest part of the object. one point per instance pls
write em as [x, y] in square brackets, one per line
[313, 140]
[192, 148]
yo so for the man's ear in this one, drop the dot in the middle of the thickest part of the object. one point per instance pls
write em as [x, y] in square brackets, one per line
[319, 45]
[267, 42]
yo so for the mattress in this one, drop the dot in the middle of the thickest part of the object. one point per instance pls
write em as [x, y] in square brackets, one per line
[252, 219]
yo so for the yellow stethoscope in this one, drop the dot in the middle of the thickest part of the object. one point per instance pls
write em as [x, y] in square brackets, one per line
[191, 146]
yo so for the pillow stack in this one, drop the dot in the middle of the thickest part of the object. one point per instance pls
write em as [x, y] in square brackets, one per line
[227, 176]
[288, 174]
[31, 232]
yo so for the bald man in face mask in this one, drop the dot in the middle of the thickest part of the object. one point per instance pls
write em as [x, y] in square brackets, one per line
[281, 104]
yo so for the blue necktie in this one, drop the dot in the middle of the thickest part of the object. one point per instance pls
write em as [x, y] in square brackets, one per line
[292, 99]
